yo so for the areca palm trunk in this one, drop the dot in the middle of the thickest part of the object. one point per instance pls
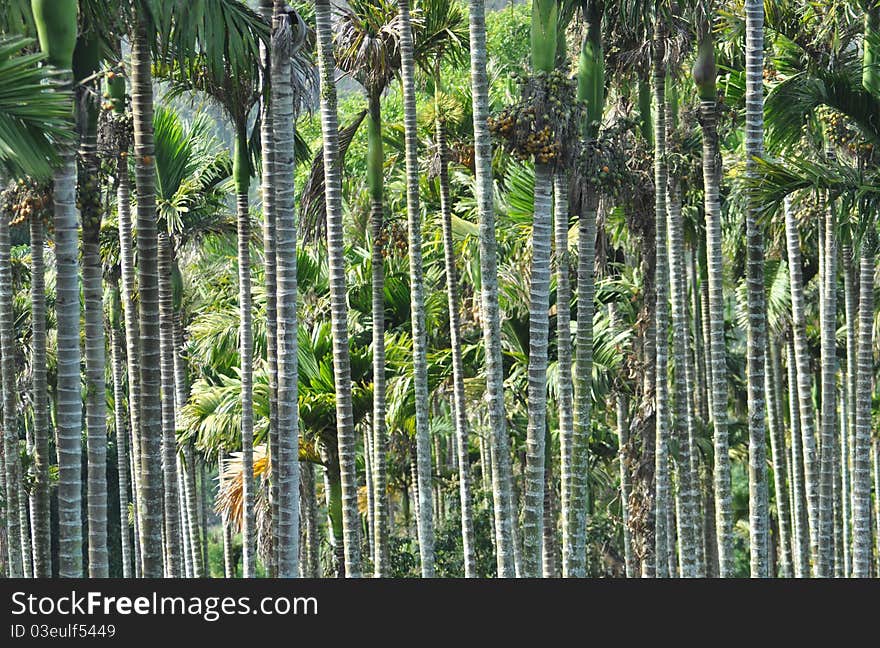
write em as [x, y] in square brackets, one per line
[756, 330]
[86, 61]
[851, 299]
[417, 291]
[345, 436]
[563, 341]
[191, 529]
[696, 402]
[149, 404]
[778, 454]
[283, 168]
[121, 421]
[56, 26]
[375, 170]
[804, 391]
[829, 399]
[459, 400]
[661, 314]
[40, 501]
[575, 480]
[267, 195]
[241, 174]
[798, 483]
[704, 76]
[131, 329]
[173, 551]
[862, 441]
[12, 465]
[310, 566]
[684, 419]
[499, 441]
[543, 41]
[622, 425]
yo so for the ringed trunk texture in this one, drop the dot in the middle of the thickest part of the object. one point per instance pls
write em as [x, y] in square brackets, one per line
[40, 513]
[862, 443]
[345, 435]
[150, 430]
[287, 457]
[173, 550]
[539, 329]
[417, 288]
[499, 441]
[756, 329]
[459, 399]
[717, 361]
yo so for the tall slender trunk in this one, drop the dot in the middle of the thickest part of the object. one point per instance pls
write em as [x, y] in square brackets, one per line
[682, 404]
[310, 562]
[150, 424]
[661, 456]
[829, 398]
[862, 442]
[539, 328]
[564, 387]
[173, 552]
[876, 443]
[804, 391]
[848, 432]
[417, 292]
[122, 425]
[132, 332]
[375, 179]
[798, 483]
[622, 425]
[575, 480]
[695, 394]
[86, 61]
[267, 198]
[186, 547]
[287, 327]
[40, 503]
[241, 173]
[499, 441]
[756, 329]
[12, 473]
[717, 362]
[345, 436]
[778, 454]
[843, 482]
[188, 465]
[459, 400]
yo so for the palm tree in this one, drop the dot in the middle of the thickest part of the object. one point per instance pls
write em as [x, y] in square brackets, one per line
[574, 446]
[173, 550]
[862, 443]
[661, 314]
[85, 64]
[223, 69]
[368, 48]
[683, 413]
[57, 29]
[120, 420]
[420, 358]
[704, 77]
[283, 165]
[499, 442]
[339, 310]
[543, 51]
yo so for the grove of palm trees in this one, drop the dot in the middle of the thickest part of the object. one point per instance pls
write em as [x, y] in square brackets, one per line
[439, 288]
